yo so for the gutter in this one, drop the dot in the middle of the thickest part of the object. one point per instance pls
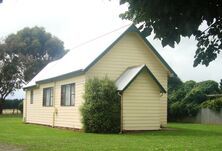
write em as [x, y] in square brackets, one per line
[60, 77]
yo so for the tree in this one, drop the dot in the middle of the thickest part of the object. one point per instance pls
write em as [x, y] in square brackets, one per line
[170, 20]
[10, 76]
[35, 47]
[186, 100]
[23, 55]
[14, 104]
[220, 85]
[174, 83]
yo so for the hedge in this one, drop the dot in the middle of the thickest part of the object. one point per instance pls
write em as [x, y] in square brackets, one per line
[215, 104]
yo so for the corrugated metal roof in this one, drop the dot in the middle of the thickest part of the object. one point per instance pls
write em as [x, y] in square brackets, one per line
[78, 58]
[130, 74]
[127, 77]
[82, 57]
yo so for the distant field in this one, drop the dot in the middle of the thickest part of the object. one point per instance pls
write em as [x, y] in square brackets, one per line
[11, 111]
[16, 136]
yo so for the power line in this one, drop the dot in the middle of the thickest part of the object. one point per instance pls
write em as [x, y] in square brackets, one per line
[81, 44]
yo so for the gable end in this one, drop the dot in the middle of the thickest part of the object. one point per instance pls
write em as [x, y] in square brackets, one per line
[133, 28]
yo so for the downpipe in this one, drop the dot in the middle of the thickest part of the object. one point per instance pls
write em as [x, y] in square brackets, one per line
[121, 112]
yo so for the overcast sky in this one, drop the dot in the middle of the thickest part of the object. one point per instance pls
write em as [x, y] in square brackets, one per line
[77, 21]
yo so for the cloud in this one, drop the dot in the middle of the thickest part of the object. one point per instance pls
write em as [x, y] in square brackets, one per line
[181, 60]
[77, 21]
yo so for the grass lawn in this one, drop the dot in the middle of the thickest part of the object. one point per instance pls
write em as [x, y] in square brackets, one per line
[40, 138]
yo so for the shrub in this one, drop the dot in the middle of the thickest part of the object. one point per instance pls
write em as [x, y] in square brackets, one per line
[179, 110]
[215, 104]
[101, 109]
[185, 100]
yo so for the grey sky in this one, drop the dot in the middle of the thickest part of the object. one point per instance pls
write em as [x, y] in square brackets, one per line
[77, 21]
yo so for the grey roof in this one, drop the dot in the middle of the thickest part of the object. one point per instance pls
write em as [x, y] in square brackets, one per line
[130, 74]
[83, 57]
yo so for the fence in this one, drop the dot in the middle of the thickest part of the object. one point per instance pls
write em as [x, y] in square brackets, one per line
[11, 111]
[206, 116]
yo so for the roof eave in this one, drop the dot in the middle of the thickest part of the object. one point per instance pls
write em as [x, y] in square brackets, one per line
[57, 78]
[29, 87]
[61, 77]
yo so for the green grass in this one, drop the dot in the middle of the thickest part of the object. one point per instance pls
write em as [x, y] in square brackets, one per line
[41, 138]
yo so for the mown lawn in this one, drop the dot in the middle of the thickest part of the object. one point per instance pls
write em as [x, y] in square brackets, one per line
[40, 138]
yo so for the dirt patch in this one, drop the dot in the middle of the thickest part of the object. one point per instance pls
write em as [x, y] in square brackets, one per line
[7, 147]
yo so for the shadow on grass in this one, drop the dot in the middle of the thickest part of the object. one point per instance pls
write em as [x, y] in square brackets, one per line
[196, 130]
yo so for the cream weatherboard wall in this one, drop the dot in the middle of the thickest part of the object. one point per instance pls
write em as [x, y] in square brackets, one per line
[67, 116]
[131, 50]
[141, 104]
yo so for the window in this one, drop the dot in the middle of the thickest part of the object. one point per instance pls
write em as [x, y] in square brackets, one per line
[68, 95]
[31, 97]
[47, 96]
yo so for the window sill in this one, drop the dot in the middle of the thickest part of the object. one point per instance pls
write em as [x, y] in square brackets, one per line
[67, 105]
[47, 106]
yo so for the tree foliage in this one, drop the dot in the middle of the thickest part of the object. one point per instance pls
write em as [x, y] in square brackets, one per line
[221, 85]
[174, 83]
[215, 104]
[13, 104]
[185, 100]
[11, 76]
[101, 109]
[35, 47]
[23, 55]
[171, 19]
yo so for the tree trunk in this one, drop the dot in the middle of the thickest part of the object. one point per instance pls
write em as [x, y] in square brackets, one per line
[1, 106]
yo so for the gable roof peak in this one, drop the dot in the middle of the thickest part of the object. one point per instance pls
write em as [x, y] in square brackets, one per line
[130, 74]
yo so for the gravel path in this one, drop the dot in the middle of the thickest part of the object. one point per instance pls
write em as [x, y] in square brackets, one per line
[6, 147]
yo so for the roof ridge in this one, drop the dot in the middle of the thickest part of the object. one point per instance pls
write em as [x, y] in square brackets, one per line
[102, 35]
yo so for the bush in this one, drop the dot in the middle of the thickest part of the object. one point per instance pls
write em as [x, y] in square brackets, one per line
[179, 110]
[101, 109]
[185, 99]
[215, 104]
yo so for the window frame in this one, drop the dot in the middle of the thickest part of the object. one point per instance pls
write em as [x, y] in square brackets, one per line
[44, 100]
[71, 97]
[31, 96]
